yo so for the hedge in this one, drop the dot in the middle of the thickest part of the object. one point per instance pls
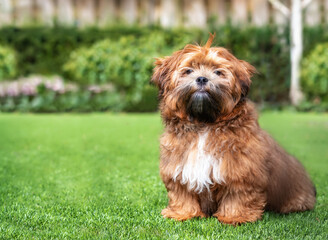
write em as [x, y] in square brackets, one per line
[51, 94]
[46, 50]
[315, 78]
[126, 63]
[7, 63]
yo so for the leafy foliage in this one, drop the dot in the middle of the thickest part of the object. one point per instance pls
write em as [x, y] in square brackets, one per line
[7, 63]
[315, 73]
[127, 63]
[45, 50]
[52, 94]
[50, 101]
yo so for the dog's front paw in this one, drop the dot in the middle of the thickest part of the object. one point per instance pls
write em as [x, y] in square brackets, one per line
[237, 220]
[180, 215]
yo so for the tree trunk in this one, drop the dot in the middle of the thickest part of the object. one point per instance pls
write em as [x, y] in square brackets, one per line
[195, 13]
[260, 12]
[129, 11]
[6, 12]
[239, 11]
[107, 11]
[296, 27]
[85, 13]
[65, 12]
[23, 12]
[169, 11]
[312, 13]
[218, 10]
[47, 12]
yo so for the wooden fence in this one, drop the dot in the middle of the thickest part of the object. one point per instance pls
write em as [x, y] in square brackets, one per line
[168, 13]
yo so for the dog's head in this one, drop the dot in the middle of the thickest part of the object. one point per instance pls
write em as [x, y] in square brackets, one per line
[201, 83]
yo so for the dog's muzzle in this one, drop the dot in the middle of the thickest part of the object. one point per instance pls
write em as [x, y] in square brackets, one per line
[202, 107]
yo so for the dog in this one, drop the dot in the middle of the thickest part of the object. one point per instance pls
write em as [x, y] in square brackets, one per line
[215, 160]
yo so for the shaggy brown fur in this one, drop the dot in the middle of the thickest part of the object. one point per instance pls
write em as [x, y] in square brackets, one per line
[215, 158]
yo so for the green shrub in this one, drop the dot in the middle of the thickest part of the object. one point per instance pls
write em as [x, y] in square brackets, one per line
[315, 73]
[7, 63]
[127, 63]
[51, 94]
[45, 50]
[313, 36]
[148, 102]
[50, 101]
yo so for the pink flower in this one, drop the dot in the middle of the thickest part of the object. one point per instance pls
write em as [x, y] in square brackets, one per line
[13, 89]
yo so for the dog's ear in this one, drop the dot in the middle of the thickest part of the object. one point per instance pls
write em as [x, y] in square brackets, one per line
[161, 71]
[246, 71]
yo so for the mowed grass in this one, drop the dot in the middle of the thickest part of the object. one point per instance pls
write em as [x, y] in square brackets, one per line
[96, 176]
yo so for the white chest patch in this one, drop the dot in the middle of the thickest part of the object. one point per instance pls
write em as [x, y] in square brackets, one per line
[200, 169]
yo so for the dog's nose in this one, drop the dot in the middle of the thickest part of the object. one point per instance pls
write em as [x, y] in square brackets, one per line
[201, 81]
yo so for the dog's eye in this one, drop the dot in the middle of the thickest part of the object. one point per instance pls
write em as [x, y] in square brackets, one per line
[219, 73]
[188, 71]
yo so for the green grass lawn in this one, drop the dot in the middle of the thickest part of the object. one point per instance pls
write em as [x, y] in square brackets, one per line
[96, 176]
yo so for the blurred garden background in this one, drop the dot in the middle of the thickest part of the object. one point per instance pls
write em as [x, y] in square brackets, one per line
[97, 55]
[64, 174]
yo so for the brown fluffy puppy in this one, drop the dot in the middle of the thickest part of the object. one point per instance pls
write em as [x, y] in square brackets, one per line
[215, 158]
